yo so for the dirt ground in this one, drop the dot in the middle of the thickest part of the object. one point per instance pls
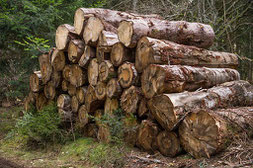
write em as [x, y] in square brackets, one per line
[8, 164]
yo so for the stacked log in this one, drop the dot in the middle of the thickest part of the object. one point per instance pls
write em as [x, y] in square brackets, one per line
[169, 90]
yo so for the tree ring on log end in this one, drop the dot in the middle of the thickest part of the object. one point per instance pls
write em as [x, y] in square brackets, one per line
[125, 32]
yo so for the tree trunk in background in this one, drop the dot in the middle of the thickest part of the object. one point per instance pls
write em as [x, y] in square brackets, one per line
[113, 88]
[181, 32]
[93, 72]
[154, 51]
[75, 50]
[128, 75]
[157, 79]
[170, 109]
[120, 54]
[130, 99]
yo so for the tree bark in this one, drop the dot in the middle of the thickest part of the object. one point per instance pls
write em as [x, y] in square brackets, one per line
[36, 81]
[130, 99]
[120, 54]
[65, 85]
[170, 109]
[75, 50]
[78, 76]
[110, 106]
[45, 67]
[128, 75]
[83, 116]
[88, 54]
[154, 51]
[58, 60]
[91, 101]
[81, 94]
[168, 143]
[106, 71]
[100, 90]
[146, 136]
[49, 90]
[181, 32]
[93, 72]
[113, 88]
[107, 40]
[71, 90]
[64, 34]
[74, 104]
[157, 79]
[64, 102]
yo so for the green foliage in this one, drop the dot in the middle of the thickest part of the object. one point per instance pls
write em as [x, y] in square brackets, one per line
[40, 127]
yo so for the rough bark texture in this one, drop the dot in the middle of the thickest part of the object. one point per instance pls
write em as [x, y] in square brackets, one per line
[130, 99]
[170, 109]
[127, 75]
[146, 137]
[74, 104]
[58, 60]
[93, 72]
[78, 76]
[45, 67]
[88, 54]
[106, 71]
[157, 79]
[75, 50]
[100, 91]
[168, 143]
[49, 90]
[154, 51]
[81, 94]
[36, 81]
[181, 32]
[113, 88]
[107, 40]
[83, 116]
[120, 54]
[64, 34]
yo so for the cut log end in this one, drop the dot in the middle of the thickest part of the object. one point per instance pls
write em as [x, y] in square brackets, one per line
[62, 36]
[36, 81]
[93, 72]
[106, 71]
[130, 99]
[80, 19]
[49, 90]
[125, 33]
[127, 75]
[81, 94]
[64, 102]
[83, 116]
[78, 76]
[117, 54]
[113, 88]
[74, 104]
[88, 54]
[100, 91]
[64, 85]
[92, 30]
[75, 50]
[58, 60]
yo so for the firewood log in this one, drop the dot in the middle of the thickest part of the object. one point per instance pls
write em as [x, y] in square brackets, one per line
[102, 54]
[88, 54]
[74, 104]
[98, 117]
[130, 99]
[49, 90]
[93, 72]
[78, 76]
[113, 88]
[64, 102]
[107, 40]
[81, 94]
[106, 71]
[66, 72]
[154, 51]
[128, 75]
[64, 85]
[83, 116]
[75, 50]
[41, 101]
[35, 81]
[170, 109]
[45, 67]
[58, 60]
[157, 79]
[182, 32]
[56, 78]
[110, 106]
[100, 90]
[71, 90]
[91, 101]
[120, 54]
[143, 109]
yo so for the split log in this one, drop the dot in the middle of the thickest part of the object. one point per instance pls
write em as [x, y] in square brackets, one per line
[106, 71]
[56, 78]
[100, 90]
[64, 85]
[113, 88]
[170, 109]
[143, 109]
[81, 94]
[45, 67]
[88, 54]
[49, 90]
[64, 102]
[114, 17]
[36, 81]
[66, 72]
[74, 104]
[83, 116]
[168, 143]
[75, 50]
[154, 51]
[157, 79]
[41, 101]
[130, 99]
[181, 32]
[102, 54]
[78, 76]
[91, 101]
[120, 54]
[64, 34]
[91, 130]
[93, 72]
[146, 137]
[107, 40]
[128, 75]
[110, 106]
[71, 90]
[58, 60]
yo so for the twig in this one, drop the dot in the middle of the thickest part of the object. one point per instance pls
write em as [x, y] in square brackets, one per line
[148, 160]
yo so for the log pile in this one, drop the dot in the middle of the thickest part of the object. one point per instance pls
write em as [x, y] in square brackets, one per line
[159, 72]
